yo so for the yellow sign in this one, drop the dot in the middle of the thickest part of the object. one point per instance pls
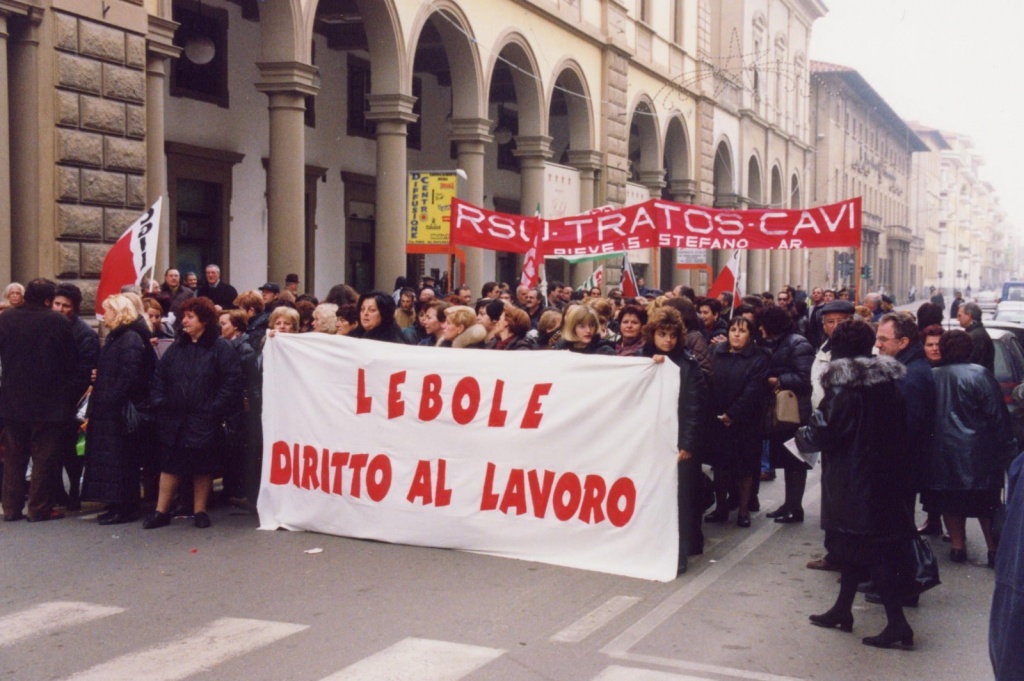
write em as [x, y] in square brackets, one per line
[430, 208]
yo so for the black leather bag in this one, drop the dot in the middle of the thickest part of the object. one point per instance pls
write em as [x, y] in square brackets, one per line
[134, 420]
[926, 568]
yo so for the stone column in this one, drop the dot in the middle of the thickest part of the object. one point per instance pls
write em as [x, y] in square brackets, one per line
[24, 154]
[159, 50]
[681, 191]
[5, 158]
[472, 135]
[392, 113]
[588, 162]
[533, 153]
[286, 84]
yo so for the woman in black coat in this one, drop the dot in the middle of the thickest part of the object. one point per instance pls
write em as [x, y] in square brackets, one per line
[973, 445]
[738, 393]
[788, 369]
[198, 384]
[377, 319]
[865, 464]
[113, 448]
[663, 337]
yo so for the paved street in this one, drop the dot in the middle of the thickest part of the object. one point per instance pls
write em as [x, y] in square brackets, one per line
[82, 601]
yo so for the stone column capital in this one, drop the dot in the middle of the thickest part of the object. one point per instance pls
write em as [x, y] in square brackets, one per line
[471, 130]
[160, 38]
[585, 159]
[396, 108]
[653, 180]
[683, 190]
[727, 201]
[17, 8]
[534, 147]
[291, 77]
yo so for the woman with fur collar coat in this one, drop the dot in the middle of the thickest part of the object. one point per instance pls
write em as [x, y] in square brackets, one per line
[461, 330]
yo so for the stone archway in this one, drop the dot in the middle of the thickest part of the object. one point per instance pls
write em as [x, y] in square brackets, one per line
[645, 157]
[679, 186]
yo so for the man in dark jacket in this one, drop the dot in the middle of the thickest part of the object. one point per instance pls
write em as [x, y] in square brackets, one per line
[954, 307]
[220, 292]
[177, 293]
[39, 361]
[1006, 622]
[984, 353]
[68, 301]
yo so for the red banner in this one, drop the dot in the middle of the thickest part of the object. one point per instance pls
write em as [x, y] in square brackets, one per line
[663, 224]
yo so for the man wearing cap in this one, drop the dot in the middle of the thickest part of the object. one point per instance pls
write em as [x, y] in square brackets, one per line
[831, 314]
[291, 282]
[270, 292]
[220, 292]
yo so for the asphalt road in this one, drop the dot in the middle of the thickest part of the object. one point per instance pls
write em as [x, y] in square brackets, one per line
[80, 601]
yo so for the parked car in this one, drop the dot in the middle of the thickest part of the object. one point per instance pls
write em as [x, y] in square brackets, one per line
[1010, 307]
[988, 301]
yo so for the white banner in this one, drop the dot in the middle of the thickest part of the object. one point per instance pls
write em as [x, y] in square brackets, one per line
[544, 456]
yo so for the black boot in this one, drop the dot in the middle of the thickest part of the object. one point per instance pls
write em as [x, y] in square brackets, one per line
[796, 482]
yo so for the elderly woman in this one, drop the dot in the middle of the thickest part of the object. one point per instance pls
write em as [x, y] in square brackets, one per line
[123, 372]
[198, 384]
[513, 330]
[377, 319]
[631, 320]
[460, 329]
[325, 318]
[735, 406]
[868, 520]
[663, 337]
[973, 445]
[581, 333]
[284, 320]
[14, 294]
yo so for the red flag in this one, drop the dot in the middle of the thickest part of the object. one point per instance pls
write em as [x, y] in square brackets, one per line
[530, 266]
[629, 287]
[131, 257]
[728, 279]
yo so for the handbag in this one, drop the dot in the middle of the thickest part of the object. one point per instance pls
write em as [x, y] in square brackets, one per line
[783, 412]
[926, 568]
[134, 420]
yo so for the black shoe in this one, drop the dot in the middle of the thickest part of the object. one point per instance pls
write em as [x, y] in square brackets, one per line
[202, 520]
[791, 517]
[156, 519]
[958, 555]
[832, 619]
[743, 521]
[903, 635]
[777, 513]
[717, 516]
[116, 518]
[14, 518]
[754, 506]
[681, 566]
[874, 597]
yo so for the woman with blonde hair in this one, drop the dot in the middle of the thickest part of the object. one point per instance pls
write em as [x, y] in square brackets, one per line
[14, 294]
[460, 329]
[581, 333]
[113, 439]
[325, 318]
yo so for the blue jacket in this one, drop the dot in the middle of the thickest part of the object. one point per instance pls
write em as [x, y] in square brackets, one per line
[1006, 623]
[918, 390]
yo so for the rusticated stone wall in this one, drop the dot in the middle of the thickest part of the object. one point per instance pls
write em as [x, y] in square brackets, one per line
[100, 141]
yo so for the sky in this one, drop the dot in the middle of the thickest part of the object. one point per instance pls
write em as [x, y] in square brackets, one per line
[954, 65]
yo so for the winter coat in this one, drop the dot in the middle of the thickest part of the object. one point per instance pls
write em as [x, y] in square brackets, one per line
[197, 385]
[1006, 621]
[257, 331]
[473, 337]
[719, 329]
[791, 360]
[918, 390]
[222, 294]
[693, 397]
[252, 389]
[973, 436]
[698, 347]
[739, 389]
[387, 331]
[597, 346]
[40, 364]
[513, 343]
[112, 463]
[984, 352]
[88, 343]
[865, 463]
[822, 358]
[633, 349]
[177, 298]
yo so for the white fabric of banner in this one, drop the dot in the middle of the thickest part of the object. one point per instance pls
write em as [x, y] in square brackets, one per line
[544, 456]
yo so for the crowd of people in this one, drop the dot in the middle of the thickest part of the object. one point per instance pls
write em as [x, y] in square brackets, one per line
[897, 405]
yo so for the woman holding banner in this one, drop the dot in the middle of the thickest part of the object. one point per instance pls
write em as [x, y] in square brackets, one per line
[663, 337]
[738, 394]
[581, 333]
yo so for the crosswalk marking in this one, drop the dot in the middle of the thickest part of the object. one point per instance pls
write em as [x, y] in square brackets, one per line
[595, 619]
[48, 617]
[418, 659]
[617, 673]
[201, 650]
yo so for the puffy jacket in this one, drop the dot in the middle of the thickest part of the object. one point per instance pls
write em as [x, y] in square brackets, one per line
[197, 385]
[791, 360]
[864, 460]
[973, 436]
